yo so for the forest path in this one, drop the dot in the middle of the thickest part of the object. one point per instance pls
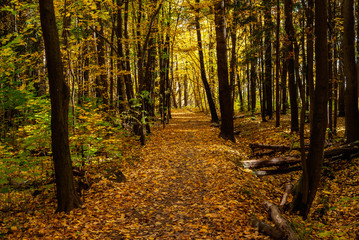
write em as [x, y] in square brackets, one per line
[184, 187]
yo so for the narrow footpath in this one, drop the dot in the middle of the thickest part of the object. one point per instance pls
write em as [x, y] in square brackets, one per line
[185, 186]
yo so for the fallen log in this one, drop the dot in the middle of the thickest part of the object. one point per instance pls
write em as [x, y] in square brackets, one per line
[261, 173]
[346, 150]
[246, 115]
[266, 229]
[279, 148]
[287, 189]
[342, 152]
[278, 161]
[280, 222]
[265, 153]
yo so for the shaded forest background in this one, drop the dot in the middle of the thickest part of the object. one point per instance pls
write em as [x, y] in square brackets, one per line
[128, 63]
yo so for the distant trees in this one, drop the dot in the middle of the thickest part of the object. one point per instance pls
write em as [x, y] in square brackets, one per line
[132, 60]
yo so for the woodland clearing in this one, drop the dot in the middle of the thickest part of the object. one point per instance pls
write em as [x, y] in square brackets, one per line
[189, 184]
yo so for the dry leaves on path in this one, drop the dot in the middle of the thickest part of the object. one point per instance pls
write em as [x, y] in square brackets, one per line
[184, 187]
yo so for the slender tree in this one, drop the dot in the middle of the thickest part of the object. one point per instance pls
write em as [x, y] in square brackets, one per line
[268, 60]
[277, 69]
[290, 39]
[67, 198]
[211, 104]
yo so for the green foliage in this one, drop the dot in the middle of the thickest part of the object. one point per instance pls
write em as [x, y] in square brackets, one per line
[94, 135]
[27, 156]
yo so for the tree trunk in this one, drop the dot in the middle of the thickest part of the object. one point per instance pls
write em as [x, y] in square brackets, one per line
[308, 184]
[284, 83]
[121, 88]
[128, 77]
[268, 59]
[351, 89]
[330, 69]
[211, 104]
[185, 90]
[101, 80]
[310, 57]
[277, 69]
[253, 84]
[227, 131]
[233, 65]
[290, 38]
[67, 198]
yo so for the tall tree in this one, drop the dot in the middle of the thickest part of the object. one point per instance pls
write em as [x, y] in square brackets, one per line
[312, 166]
[67, 198]
[267, 90]
[121, 87]
[277, 69]
[290, 39]
[310, 55]
[211, 104]
[128, 78]
[351, 88]
[222, 72]
[101, 80]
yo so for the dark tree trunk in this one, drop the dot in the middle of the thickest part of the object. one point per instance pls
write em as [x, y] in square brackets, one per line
[211, 104]
[101, 80]
[293, 94]
[268, 60]
[185, 90]
[128, 77]
[121, 88]
[222, 70]
[233, 65]
[310, 56]
[179, 95]
[284, 84]
[330, 69]
[67, 198]
[351, 90]
[111, 90]
[253, 84]
[308, 184]
[341, 104]
[277, 69]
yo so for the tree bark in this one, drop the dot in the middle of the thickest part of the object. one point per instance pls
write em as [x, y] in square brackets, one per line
[313, 165]
[101, 80]
[67, 198]
[351, 89]
[277, 69]
[268, 59]
[279, 161]
[128, 76]
[222, 71]
[310, 56]
[281, 223]
[290, 35]
[211, 104]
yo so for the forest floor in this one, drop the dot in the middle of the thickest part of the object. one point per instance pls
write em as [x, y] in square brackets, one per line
[189, 184]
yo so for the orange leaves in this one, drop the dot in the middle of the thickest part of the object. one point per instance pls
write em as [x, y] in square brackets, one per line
[186, 185]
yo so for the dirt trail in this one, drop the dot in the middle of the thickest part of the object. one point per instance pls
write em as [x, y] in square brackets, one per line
[185, 187]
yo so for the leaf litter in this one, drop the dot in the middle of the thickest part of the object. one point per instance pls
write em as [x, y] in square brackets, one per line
[187, 184]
